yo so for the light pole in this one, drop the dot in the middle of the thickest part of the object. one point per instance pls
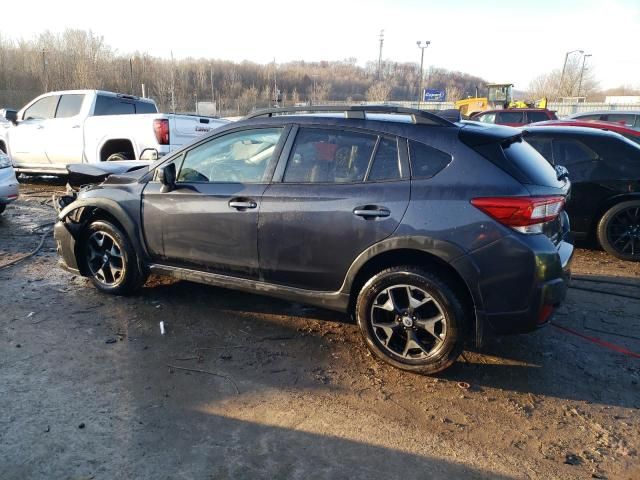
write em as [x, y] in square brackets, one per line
[422, 48]
[380, 55]
[564, 67]
[584, 59]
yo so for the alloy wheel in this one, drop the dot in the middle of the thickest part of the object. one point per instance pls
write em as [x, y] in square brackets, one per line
[408, 322]
[623, 231]
[105, 259]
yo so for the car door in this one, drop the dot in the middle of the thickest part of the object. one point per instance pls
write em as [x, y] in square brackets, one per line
[63, 137]
[27, 138]
[209, 221]
[328, 203]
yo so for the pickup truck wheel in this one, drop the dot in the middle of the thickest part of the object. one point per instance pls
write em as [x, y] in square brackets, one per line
[619, 231]
[411, 319]
[117, 157]
[110, 260]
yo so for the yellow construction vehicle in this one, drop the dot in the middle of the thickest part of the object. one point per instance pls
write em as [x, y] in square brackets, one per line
[500, 95]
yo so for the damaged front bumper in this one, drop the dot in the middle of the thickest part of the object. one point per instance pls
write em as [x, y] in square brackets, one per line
[65, 239]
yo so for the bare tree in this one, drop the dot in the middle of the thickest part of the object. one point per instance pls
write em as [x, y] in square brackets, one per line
[378, 92]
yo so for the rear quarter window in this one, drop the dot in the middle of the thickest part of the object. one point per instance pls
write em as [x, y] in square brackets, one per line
[537, 117]
[426, 161]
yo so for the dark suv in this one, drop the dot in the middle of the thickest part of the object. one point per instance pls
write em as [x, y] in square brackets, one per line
[427, 231]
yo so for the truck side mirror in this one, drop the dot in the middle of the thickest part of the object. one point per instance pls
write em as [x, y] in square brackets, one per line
[167, 177]
[10, 114]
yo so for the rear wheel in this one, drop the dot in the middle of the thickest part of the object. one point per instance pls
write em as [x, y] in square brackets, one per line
[117, 157]
[619, 230]
[110, 260]
[411, 319]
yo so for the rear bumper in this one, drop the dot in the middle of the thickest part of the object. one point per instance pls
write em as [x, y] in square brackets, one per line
[521, 292]
[9, 188]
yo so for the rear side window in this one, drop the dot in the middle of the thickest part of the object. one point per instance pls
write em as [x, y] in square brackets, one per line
[329, 156]
[569, 151]
[510, 117]
[537, 117]
[112, 106]
[69, 105]
[625, 119]
[487, 118]
[106, 105]
[426, 161]
[42, 109]
[386, 163]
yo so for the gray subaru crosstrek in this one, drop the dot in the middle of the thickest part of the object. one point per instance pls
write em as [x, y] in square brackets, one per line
[430, 232]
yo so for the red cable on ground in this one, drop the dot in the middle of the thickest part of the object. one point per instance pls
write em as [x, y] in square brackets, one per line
[597, 341]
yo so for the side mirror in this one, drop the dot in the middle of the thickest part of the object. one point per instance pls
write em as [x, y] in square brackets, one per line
[10, 114]
[167, 177]
[149, 154]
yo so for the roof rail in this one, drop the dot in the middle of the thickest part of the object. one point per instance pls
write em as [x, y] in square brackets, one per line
[419, 117]
[451, 114]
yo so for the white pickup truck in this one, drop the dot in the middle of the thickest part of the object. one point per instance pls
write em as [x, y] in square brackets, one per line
[92, 126]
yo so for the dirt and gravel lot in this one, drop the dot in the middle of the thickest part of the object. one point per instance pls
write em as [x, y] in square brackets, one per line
[90, 389]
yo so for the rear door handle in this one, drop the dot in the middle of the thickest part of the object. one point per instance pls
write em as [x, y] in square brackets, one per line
[371, 212]
[75, 126]
[242, 204]
[39, 127]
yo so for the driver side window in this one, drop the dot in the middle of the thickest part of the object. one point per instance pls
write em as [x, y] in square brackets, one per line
[240, 157]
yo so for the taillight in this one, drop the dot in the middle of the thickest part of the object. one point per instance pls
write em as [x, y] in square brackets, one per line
[161, 129]
[524, 214]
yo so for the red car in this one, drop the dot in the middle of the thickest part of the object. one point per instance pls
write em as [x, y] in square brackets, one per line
[631, 134]
[514, 117]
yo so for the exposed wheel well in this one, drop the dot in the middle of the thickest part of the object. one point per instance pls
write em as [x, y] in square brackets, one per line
[422, 259]
[89, 215]
[116, 146]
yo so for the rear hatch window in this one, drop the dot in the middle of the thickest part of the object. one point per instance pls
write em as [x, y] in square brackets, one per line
[533, 165]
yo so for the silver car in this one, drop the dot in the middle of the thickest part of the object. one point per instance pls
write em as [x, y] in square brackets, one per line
[8, 182]
[629, 118]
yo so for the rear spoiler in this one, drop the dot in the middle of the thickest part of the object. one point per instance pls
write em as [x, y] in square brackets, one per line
[451, 114]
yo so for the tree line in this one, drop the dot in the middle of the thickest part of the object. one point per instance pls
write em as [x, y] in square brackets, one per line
[79, 59]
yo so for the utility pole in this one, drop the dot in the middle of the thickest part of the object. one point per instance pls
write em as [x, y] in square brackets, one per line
[131, 75]
[422, 49]
[275, 83]
[584, 59]
[173, 85]
[213, 97]
[45, 80]
[380, 55]
[564, 68]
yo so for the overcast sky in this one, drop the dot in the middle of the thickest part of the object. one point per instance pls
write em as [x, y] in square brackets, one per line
[498, 40]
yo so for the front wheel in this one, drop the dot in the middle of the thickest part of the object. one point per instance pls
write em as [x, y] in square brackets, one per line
[411, 319]
[110, 260]
[619, 231]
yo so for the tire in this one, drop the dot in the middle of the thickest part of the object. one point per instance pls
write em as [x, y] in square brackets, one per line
[109, 259]
[2, 207]
[411, 338]
[619, 231]
[118, 157]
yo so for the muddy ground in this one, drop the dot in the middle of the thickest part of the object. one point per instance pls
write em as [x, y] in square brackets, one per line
[90, 389]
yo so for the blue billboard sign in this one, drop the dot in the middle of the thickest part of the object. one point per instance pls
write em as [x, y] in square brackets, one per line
[429, 95]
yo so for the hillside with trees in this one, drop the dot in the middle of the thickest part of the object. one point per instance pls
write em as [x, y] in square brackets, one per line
[78, 59]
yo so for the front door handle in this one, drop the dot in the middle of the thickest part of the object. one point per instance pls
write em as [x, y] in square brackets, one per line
[242, 204]
[39, 127]
[371, 211]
